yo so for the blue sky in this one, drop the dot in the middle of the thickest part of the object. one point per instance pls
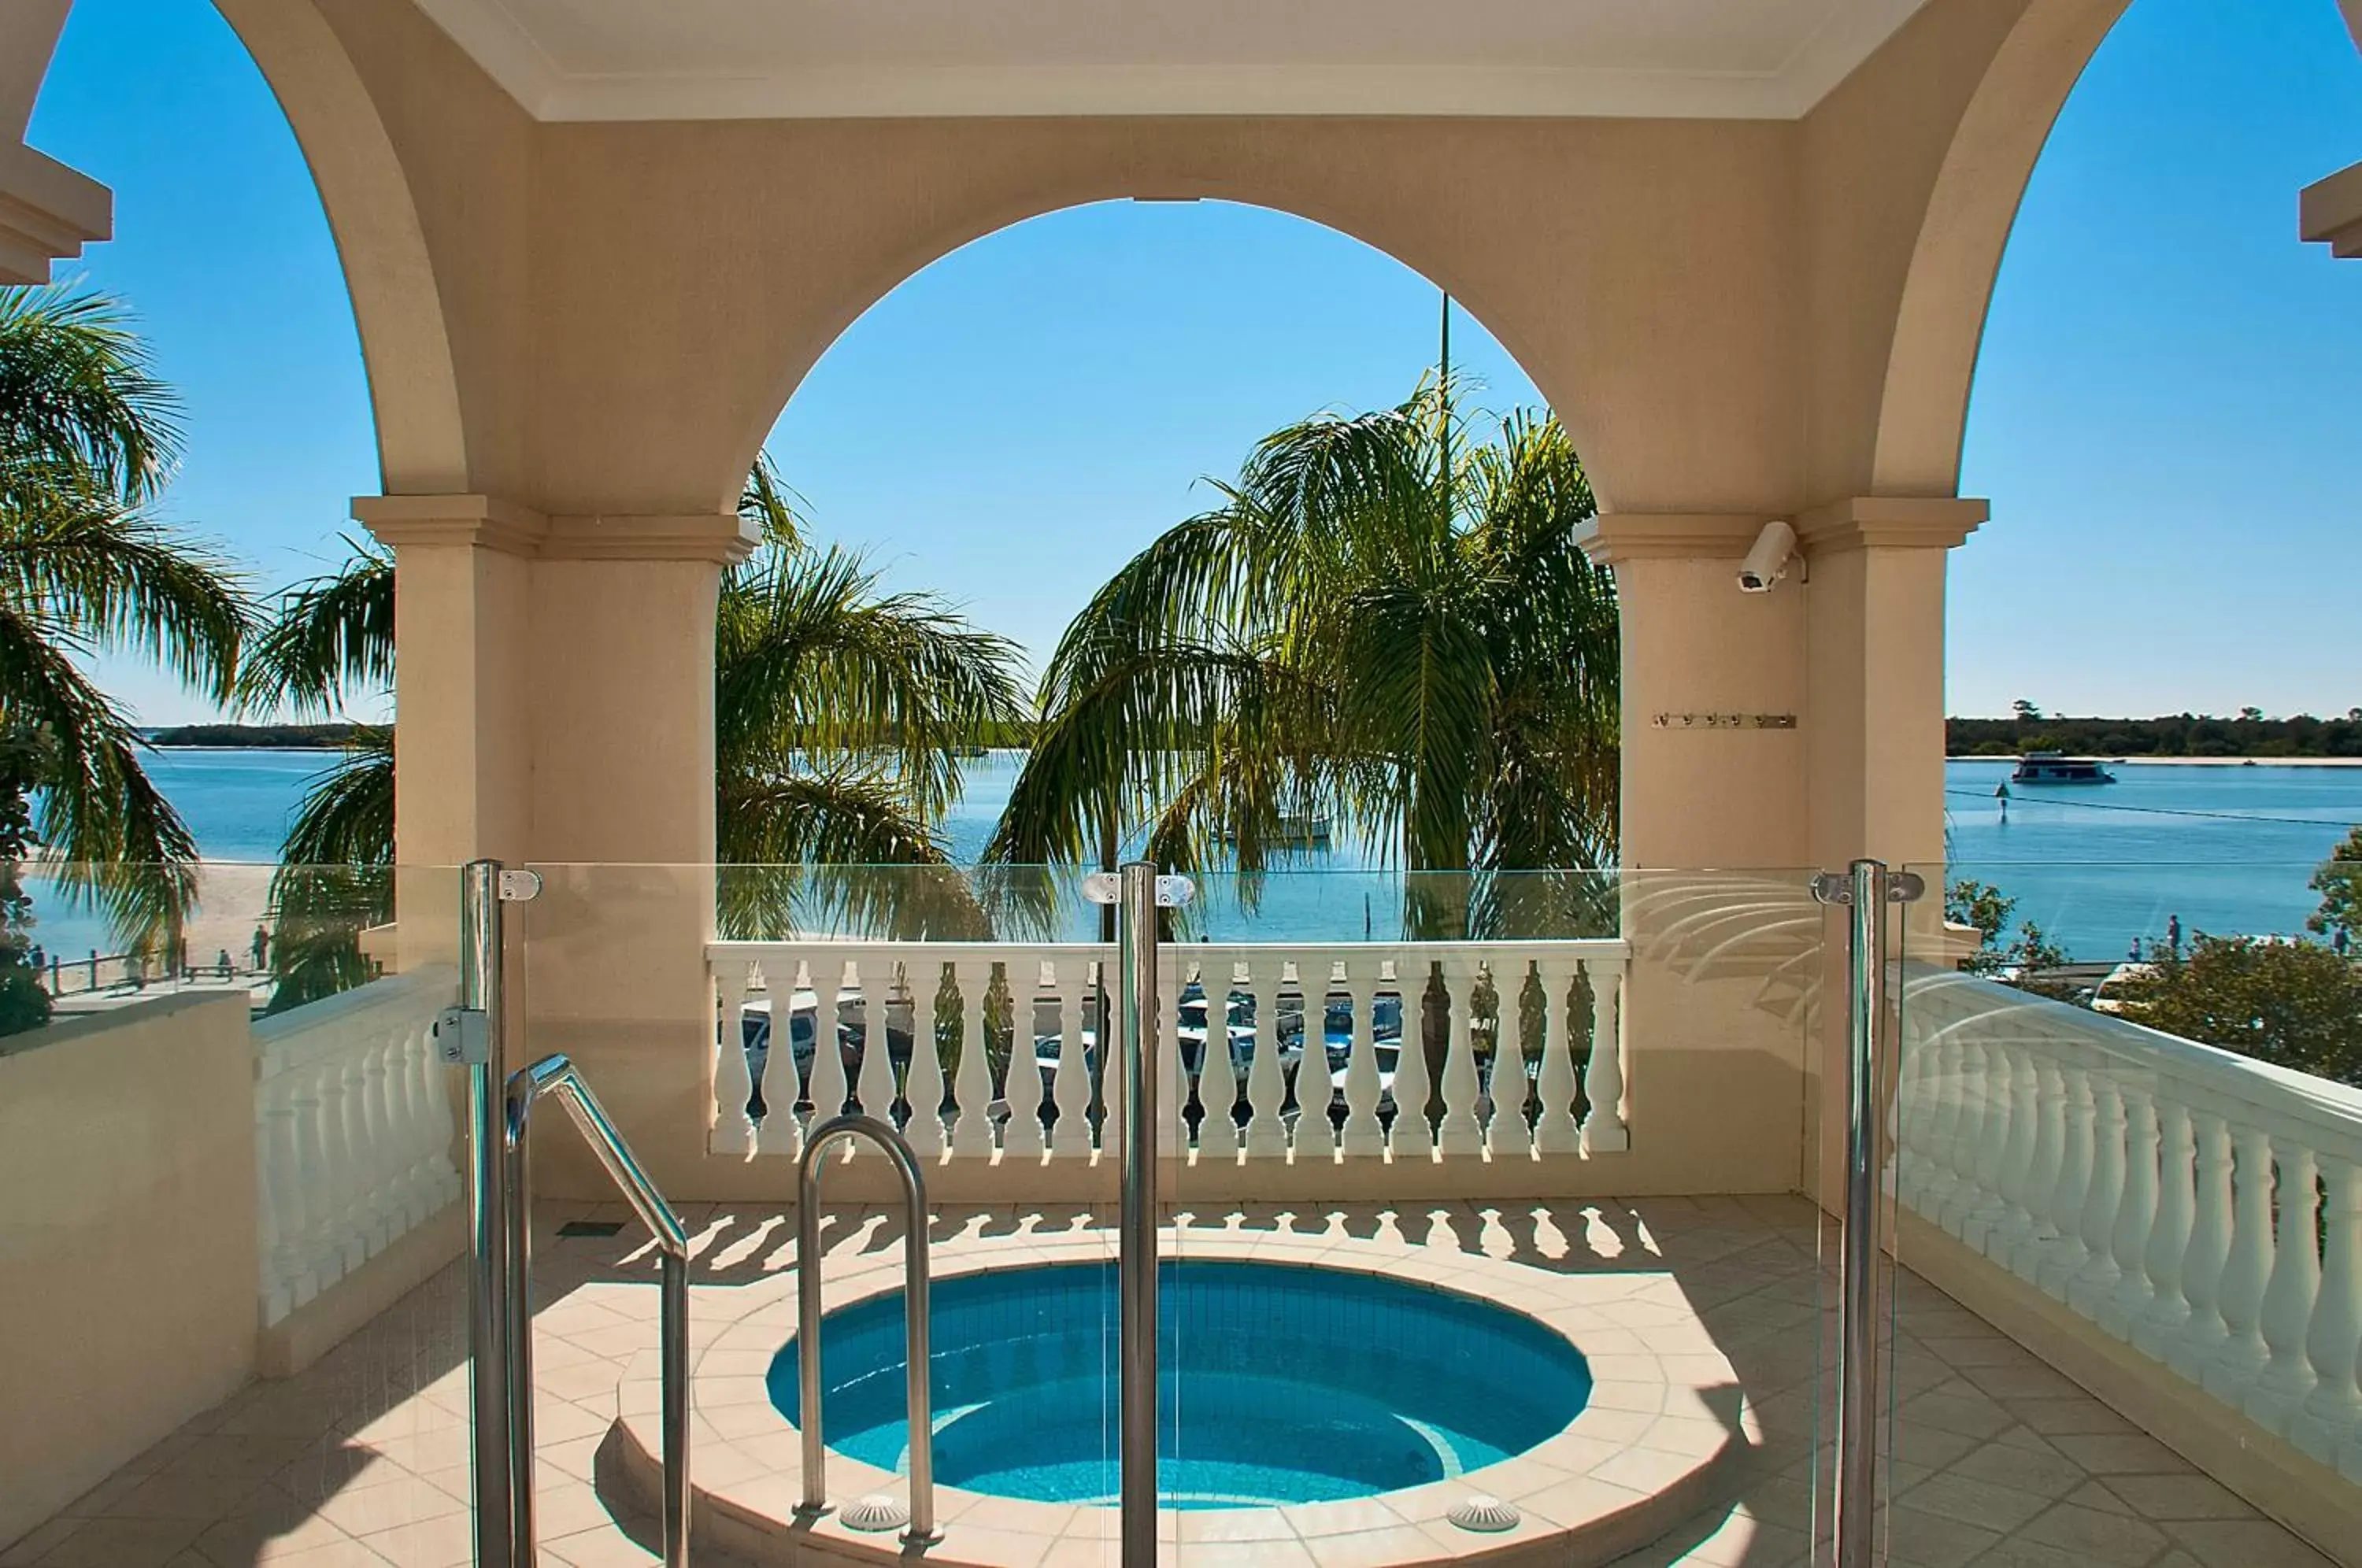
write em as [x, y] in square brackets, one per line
[2168, 416]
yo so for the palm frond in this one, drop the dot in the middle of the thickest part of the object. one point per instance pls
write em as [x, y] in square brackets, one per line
[113, 841]
[806, 852]
[103, 575]
[327, 637]
[78, 400]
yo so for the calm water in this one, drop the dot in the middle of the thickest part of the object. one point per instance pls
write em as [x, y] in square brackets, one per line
[2228, 849]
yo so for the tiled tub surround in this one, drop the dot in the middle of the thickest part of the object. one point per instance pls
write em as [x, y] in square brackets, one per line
[1650, 1449]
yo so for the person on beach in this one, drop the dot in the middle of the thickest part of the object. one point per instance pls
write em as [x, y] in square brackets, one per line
[2173, 932]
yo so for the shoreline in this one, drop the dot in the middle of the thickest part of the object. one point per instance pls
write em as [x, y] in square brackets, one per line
[2191, 761]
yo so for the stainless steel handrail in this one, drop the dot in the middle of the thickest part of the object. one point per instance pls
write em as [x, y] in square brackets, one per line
[919, 1397]
[555, 1075]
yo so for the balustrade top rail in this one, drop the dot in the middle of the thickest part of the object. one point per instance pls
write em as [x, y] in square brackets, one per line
[2331, 1112]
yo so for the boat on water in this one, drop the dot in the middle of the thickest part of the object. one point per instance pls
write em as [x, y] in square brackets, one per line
[1302, 829]
[2052, 767]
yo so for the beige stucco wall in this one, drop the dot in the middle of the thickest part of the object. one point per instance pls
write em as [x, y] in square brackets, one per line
[128, 1262]
[577, 335]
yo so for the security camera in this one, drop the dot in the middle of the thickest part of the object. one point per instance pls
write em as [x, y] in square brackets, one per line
[1767, 561]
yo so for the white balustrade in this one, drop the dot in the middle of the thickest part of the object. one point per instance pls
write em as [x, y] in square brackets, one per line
[353, 1132]
[1295, 1053]
[2204, 1206]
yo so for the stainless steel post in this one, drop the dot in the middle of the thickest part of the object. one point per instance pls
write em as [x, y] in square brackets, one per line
[488, 1372]
[1866, 891]
[1136, 1255]
[918, 1352]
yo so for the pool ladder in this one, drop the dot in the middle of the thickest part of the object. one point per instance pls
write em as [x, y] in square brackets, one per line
[869, 1512]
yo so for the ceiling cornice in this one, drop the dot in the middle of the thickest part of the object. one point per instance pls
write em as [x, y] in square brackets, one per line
[507, 50]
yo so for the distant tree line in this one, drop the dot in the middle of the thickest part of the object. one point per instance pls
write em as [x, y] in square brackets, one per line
[2249, 733]
[319, 737]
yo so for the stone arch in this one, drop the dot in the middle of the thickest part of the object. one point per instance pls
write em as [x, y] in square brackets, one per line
[824, 324]
[397, 302]
[1940, 322]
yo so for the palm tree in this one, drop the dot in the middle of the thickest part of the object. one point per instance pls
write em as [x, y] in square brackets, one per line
[88, 437]
[1385, 623]
[328, 639]
[842, 715]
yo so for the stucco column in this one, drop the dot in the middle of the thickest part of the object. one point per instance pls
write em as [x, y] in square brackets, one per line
[1874, 643]
[1712, 848]
[555, 709]
[621, 698]
[462, 755]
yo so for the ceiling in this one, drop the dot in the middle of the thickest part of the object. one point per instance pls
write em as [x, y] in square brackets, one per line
[609, 59]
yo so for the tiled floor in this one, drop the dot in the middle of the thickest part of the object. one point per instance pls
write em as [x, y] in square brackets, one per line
[362, 1460]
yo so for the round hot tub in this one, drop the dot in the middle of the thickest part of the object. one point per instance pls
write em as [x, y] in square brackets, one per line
[1281, 1384]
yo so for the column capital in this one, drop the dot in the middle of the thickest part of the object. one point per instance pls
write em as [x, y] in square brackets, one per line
[48, 212]
[2329, 211]
[487, 522]
[1899, 522]
[1619, 536]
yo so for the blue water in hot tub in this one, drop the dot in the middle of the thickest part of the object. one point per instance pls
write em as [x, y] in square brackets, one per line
[1280, 1384]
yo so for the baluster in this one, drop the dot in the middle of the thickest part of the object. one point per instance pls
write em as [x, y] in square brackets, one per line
[2334, 1404]
[1967, 1160]
[1172, 1084]
[316, 1163]
[2169, 1240]
[1027, 1094]
[734, 1088]
[398, 1199]
[971, 1079]
[2286, 1380]
[441, 1122]
[355, 1174]
[1460, 1132]
[1071, 1080]
[426, 1136]
[1988, 1209]
[2049, 1161]
[1507, 1132]
[924, 1081]
[2064, 1259]
[2240, 1297]
[1937, 1177]
[1218, 1075]
[283, 1185]
[2015, 1220]
[1412, 1137]
[873, 1074]
[2135, 1216]
[1267, 1083]
[1364, 1133]
[1316, 1135]
[1604, 1131]
[825, 1085]
[1555, 1085]
[380, 1160]
[783, 1080]
[2203, 1334]
[2097, 1278]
